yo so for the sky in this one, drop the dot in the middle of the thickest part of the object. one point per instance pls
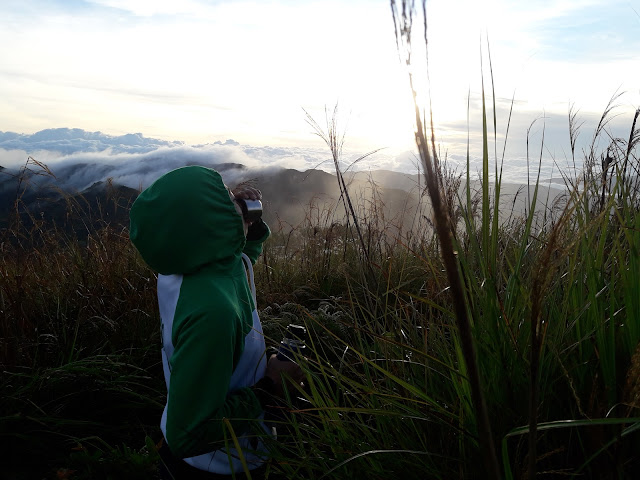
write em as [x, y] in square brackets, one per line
[196, 72]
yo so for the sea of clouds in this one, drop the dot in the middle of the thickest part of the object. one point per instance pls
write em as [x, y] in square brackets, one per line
[79, 158]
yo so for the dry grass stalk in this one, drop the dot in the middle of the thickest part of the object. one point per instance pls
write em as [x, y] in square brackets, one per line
[403, 24]
[631, 395]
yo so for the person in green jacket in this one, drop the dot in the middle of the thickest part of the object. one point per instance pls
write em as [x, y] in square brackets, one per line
[188, 227]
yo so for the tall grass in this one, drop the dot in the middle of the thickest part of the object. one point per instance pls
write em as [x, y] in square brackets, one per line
[80, 376]
[427, 151]
[551, 300]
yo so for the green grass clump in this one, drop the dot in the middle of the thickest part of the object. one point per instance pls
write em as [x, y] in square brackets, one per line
[78, 348]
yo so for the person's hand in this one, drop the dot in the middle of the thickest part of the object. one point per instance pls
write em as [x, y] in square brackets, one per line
[284, 374]
[247, 192]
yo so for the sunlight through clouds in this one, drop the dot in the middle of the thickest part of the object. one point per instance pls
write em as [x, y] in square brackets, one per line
[204, 71]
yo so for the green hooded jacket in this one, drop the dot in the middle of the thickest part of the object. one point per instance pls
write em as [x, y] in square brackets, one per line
[186, 227]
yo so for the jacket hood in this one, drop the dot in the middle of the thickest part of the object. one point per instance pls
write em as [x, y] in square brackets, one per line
[186, 220]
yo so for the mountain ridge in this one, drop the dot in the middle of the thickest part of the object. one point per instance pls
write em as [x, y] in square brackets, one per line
[291, 197]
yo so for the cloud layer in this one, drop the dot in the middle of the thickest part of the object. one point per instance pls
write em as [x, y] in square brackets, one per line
[68, 141]
[79, 158]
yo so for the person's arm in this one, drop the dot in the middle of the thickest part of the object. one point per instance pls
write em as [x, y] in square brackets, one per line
[199, 397]
[256, 236]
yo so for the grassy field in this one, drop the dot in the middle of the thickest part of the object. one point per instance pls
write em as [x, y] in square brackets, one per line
[467, 344]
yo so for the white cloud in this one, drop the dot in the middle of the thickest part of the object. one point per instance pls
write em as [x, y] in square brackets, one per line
[202, 71]
[153, 7]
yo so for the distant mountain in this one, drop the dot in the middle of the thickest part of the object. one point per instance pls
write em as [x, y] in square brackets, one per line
[388, 179]
[291, 198]
[96, 206]
[73, 140]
